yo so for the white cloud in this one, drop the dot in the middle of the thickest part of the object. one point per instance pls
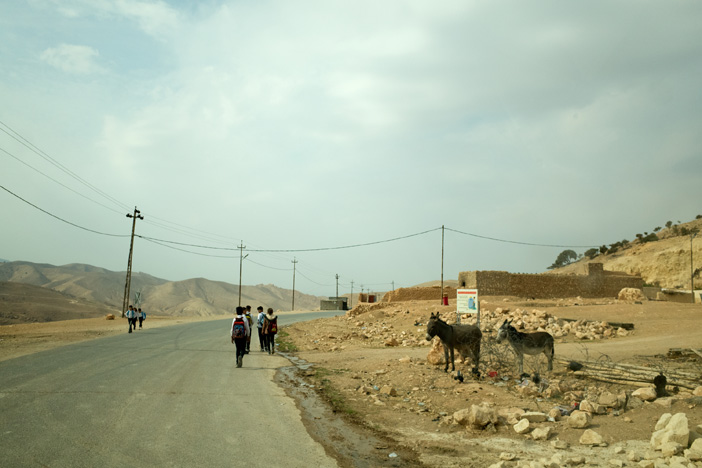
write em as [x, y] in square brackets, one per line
[75, 59]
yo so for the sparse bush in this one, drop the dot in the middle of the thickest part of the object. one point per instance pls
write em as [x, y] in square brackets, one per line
[656, 229]
[603, 249]
[650, 238]
[668, 224]
[698, 216]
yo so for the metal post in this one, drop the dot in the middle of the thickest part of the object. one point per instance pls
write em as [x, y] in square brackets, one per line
[442, 265]
[241, 262]
[293, 292]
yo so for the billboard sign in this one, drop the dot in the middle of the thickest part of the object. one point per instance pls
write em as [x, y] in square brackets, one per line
[467, 301]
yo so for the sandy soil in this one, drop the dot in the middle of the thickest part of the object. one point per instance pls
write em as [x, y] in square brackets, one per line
[355, 369]
[27, 338]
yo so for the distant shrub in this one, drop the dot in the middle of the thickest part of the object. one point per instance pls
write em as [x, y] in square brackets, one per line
[649, 238]
[668, 224]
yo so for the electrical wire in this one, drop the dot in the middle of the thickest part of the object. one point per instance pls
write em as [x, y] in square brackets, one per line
[520, 243]
[61, 219]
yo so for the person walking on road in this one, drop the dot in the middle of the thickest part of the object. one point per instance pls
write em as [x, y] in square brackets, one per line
[131, 317]
[247, 314]
[141, 315]
[270, 328]
[240, 332]
[259, 325]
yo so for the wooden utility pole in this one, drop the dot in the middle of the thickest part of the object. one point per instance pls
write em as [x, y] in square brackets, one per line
[241, 262]
[337, 285]
[294, 262]
[128, 281]
[351, 298]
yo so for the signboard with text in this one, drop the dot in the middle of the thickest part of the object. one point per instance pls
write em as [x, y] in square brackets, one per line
[467, 301]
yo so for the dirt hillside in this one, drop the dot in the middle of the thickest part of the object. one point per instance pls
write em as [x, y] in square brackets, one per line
[664, 263]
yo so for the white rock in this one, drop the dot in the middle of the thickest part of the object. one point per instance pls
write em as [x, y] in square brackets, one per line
[590, 437]
[541, 433]
[645, 393]
[522, 427]
[579, 419]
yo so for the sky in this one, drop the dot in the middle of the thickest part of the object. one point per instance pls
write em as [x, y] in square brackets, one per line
[342, 135]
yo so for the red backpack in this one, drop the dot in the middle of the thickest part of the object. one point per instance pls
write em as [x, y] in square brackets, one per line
[239, 329]
[273, 325]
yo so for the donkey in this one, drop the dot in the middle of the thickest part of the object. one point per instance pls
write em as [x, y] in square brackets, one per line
[465, 338]
[527, 343]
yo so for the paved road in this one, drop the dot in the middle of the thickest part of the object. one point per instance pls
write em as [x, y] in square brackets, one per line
[165, 397]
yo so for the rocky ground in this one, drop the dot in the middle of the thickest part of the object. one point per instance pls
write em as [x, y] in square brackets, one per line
[375, 366]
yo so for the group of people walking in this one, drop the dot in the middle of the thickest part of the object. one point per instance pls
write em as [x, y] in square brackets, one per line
[133, 314]
[242, 326]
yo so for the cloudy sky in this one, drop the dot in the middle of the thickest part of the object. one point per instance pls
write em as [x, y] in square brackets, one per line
[296, 128]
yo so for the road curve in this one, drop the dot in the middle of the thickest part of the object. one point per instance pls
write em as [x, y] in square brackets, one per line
[166, 397]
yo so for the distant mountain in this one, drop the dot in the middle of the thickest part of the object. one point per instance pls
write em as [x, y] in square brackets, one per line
[199, 296]
[22, 303]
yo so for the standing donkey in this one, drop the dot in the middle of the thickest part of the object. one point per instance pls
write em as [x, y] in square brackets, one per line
[465, 338]
[527, 343]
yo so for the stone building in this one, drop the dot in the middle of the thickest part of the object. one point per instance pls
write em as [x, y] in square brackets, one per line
[597, 283]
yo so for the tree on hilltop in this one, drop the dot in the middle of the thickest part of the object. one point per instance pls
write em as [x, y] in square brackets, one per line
[564, 258]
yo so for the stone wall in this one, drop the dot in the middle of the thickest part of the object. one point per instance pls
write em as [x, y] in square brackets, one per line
[419, 294]
[597, 283]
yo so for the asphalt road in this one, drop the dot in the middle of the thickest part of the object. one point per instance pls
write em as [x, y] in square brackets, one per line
[165, 397]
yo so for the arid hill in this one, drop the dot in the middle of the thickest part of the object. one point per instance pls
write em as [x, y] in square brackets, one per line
[22, 303]
[664, 262]
[105, 289]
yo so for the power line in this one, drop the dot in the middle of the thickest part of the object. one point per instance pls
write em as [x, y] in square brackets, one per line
[60, 183]
[32, 147]
[520, 243]
[61, 219]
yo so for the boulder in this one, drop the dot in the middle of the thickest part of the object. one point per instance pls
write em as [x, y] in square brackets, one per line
[388, 390]
[609, 399]
[590, 437]
[675, 430]
[579, 419]
[481, 415]
[631, 295]
[522, 427]
[697, 391]
[645, 393]
[541, 433]
[112, 317]
[391, 342]
[436, 353]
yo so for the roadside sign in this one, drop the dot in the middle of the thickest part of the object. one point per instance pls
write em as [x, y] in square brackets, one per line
[467, 303]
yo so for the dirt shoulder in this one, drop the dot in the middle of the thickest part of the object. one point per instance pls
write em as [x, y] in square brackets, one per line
[372, 366]
[27, 338]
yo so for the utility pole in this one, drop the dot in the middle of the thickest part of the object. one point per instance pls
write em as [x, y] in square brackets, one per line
[128, 281]
[692, 270]
[241, 262]
[337, 285]
[442, 264]
[351, 298]
[294, 262]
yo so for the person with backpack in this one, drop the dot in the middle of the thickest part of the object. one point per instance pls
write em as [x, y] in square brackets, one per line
[270, 328]
[259, 325]
[141, 317]
[240, 332]
[131, 317]
[247, 314]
